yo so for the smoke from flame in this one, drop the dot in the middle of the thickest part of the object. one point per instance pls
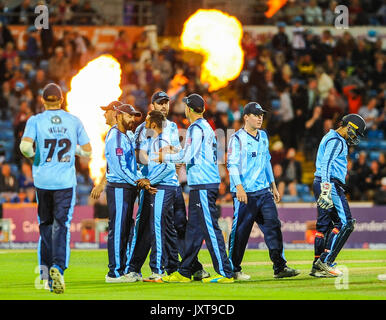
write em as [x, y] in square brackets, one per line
[217, 36]
[95, 85]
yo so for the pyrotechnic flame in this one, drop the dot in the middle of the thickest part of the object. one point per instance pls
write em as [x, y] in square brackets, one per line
[274, 6]
[95, 85]
[217, 36]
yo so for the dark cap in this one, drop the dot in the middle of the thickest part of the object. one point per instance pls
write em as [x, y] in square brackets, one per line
[195, 102]
[111, 105]
[52, 93]
[129, 109]
[159, 96]
[254, 108]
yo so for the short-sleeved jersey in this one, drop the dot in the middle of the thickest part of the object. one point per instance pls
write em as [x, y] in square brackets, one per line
[200, 155]
[249, 161]
[331, 158]
[120, 157]
[56, 134]
[159, 173]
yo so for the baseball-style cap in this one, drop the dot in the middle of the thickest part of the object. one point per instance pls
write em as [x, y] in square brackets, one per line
[52, 93]
[254, 108]
[159, 96]
[111, 105]
[127, 108]
[195, 101]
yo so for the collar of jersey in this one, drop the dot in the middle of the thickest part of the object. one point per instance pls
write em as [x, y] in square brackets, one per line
[257, 138]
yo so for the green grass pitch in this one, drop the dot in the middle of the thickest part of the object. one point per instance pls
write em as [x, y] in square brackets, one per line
[85, 279]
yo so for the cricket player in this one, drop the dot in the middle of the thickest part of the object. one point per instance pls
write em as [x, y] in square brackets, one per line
[121, 190]
[111, 120]
[334, 223]
[156, 213]
[58, 137]
[160, 102]
[254, 193]
[200, 157]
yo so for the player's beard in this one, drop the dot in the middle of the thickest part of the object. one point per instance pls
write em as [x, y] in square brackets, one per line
[128, 124]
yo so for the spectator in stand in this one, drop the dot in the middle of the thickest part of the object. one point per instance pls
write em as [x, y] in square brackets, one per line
[298, 38]
[164, 66]
[249, 47]
[306, 67]
[313, 133]
[329, 13]
[382, 163]
[5, 35]
[344, 48]
[280, 41]
[59, 67]
[354, 98]
[87, 14]
[292, 171]
[356, 15]
[75, 8]
[373, 180]
[380, 194]
[331, 108]
[278, 153]
[23, 13]
[38, 82]
[10, 51]
[331, 65]
[299, 99]
[25, 180]
[224, 195]
[33, 51]
[327, 45]
[363, 171]
[235, 110]
[360, 55]
[286, 116]
[19, 123]
[122, 48]
[325, 82]
[278, 175]
[370, 114]
[313, 13]
[8, 182]
[47, 38]
[377, 78]
[292, 10]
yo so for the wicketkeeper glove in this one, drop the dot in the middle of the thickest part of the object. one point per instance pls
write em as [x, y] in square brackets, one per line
[325, 200]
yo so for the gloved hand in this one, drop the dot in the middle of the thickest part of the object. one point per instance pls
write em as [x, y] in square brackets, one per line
[325, 200]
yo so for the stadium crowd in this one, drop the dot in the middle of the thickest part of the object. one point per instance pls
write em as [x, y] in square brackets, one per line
[307, 82]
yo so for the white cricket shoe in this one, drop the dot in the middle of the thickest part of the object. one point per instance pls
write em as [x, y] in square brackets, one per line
[133, 276]
[242, 276]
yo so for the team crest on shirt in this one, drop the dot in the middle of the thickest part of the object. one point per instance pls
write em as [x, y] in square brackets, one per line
[56, 120]
[119, 151]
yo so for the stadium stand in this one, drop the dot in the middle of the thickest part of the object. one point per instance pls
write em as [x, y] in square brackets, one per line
[307, 88]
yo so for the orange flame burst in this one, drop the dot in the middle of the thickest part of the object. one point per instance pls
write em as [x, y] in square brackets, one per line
[217, 36]
[95, 85]
[274, 6]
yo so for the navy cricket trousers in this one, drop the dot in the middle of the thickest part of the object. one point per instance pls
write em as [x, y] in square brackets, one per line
[331, 221]
[180, 221]
[55, 210]
[261, 209]
[120, 202]
[202, 224]
[154, 229]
